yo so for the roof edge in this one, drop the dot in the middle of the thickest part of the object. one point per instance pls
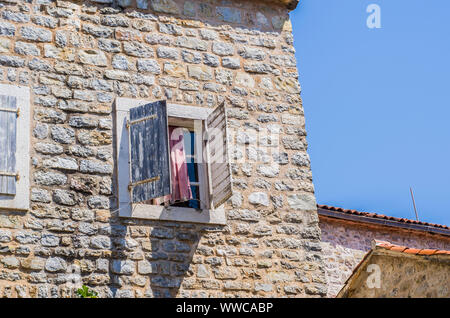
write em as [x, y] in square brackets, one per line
[381, 220]
[404, 250]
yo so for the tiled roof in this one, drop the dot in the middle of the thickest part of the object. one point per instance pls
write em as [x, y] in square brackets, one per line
[403, 249]
[380, 216]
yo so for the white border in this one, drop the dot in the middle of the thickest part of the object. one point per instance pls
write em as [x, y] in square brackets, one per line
[154, 212]
[21, 201]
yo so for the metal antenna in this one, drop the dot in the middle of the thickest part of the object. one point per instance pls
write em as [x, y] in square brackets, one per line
[414, 203]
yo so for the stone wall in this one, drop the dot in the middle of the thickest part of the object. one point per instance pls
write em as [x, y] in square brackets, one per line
[345, 243]
[77, 57]
[402, 276]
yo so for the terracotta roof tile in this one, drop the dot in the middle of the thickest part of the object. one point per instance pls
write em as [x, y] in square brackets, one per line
[398, 248]
[383, 244]
[441, 252]
[381, 216]
[407, 250]
[427, 252]
[412, 251]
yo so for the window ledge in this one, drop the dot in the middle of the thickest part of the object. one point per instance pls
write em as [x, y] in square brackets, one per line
[180, 214]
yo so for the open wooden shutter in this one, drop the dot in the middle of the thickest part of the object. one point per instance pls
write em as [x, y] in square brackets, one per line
[149, 152]
[8, 133]
[219, 170]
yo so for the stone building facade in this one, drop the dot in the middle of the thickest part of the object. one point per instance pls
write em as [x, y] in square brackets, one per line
[390, 270]
[347, 237]
[71, 61]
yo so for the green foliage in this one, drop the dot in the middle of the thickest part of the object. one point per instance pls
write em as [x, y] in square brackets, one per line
[84, 292]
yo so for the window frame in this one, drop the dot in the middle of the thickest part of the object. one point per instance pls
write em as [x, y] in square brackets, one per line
[197, 127]
[126, 208]
[21, 200]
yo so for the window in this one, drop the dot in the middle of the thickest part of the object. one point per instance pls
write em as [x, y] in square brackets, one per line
[14, 147]
[172, 161]
[194, 170]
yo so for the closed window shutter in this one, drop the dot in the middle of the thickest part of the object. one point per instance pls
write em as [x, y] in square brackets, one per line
[8, 133]
[149, 152]
[219, 170]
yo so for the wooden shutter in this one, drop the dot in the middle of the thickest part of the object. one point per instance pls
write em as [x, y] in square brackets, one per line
[219, 171]
[149, 152]
[8, 133]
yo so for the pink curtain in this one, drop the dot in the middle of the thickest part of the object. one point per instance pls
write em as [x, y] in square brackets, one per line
[181, 188]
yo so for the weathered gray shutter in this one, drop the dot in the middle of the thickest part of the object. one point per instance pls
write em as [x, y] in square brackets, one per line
[8, 133]
[149, 152]
[219, 170]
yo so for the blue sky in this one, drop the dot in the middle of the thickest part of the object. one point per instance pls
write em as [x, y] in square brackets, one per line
[377, 104]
